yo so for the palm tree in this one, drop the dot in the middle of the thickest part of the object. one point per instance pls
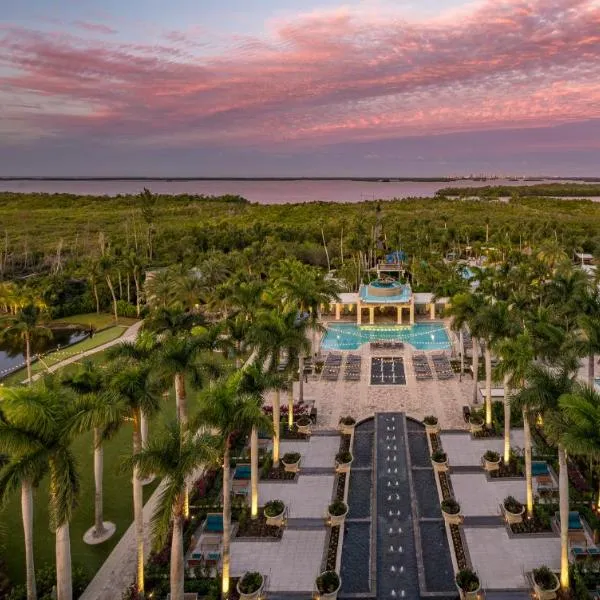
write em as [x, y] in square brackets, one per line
[134, 392]
[589, 329]
[254, 383]
[225, 408]
[36, 433]
[175, 458]
[26, 325]
[89, 382]
[516, 354]
[106, 266]
[160, 288]
[545, 387]
[163, 322]
[581, 413]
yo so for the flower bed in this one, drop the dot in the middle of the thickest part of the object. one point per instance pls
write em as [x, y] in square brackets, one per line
[334, 538]
[258, 527]
[515, 468]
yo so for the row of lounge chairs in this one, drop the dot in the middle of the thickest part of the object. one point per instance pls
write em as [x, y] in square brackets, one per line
[332, 366]
[421, 367]
[387, 345]
[442, 366]
[353, 367]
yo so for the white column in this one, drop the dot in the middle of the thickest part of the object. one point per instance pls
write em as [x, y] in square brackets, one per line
[372, 315]
[358, 313]
[338, 311]
[399, 310]
[432, 310]
[412, 312]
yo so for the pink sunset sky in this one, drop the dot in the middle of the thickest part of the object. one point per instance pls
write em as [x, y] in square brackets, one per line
[300, 88]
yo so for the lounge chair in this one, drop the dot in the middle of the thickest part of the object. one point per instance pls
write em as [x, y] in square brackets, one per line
[577, 534]
[241, 480]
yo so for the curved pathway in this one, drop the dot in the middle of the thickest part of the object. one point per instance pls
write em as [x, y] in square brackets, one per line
[128, 336]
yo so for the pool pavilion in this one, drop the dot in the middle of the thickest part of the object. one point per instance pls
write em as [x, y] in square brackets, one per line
[384, 296]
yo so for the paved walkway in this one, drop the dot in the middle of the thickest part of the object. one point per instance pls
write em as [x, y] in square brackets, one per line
[292, 563]
[128, 336]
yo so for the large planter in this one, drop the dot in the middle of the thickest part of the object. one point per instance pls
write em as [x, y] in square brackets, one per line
[329, 595]
[251, 596]
[491, 465]
[453, 519]
[291, 467]
[431, 428]
[343, 467]
[304, 426]
[542, 594]
[469, 595]
[336, 520]
[513, 518]
[440, 466]
[276, 520]
[347, 429]
[475, 426]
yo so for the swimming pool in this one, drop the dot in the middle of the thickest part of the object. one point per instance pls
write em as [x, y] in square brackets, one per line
[423, 336]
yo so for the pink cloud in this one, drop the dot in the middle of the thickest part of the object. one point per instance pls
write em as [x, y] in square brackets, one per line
[322, 77]
[94, 27]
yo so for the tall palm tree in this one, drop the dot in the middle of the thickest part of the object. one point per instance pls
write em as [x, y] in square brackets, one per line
[516, 357]
[589, 338]
[581, 413]
[225, 408]
[254, 383]
[88, 381]
[27, 326]
[36, 434]
[134, 392]
[175, 458]
[160, 288]
[545, 387]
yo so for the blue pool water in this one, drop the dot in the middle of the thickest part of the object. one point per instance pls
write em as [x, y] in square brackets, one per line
[423, 336]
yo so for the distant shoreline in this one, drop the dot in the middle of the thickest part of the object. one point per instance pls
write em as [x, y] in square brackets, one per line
[363, 179]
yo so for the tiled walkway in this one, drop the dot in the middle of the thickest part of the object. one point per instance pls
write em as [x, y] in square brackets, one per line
[292, 563]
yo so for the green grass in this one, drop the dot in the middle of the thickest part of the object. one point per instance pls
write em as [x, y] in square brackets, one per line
[100, 338]
[99, 321]
[118, 504]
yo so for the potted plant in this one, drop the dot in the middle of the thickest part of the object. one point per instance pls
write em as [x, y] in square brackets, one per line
[431, 424]
[303, 423]
[451, 512]
[468, 584]
[439, 460]
[491, 460]
[343, 460]
[291, 462]
[250, 585]
[347, 425]
[513, 510]
[274, 512]
[545, 583]
[328, 584]
[337, 512]
[475, 423]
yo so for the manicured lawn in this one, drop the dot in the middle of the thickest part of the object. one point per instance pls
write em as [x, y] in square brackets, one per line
[99, 321]
[102, 337]
[118, 505]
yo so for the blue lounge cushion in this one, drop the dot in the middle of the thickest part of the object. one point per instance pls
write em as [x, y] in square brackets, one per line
[196, 555]
[578, 551]
[214, 523]
[593, 551]
[242, 472]
[575, 520]
[539, 467]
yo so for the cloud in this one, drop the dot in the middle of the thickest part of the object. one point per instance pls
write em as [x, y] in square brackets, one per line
[94, 27]
[318, 78]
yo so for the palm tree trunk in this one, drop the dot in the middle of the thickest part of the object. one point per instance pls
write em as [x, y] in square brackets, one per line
[27, 514]
[254, 472]
[238, 354]
[488, 385]
[64, 584]
[475, 355]
[96, 297]
[180, 399]
[138, 299]
[301, 378]
[276, 425]
[98, 469]
[528, 475]
[28, 356]
[138, 505]
[290, 396]
[177, 569]
[591, 370]
[226, 520]
[461, 341]
[506, 421]
[114, 297]
[563, 488]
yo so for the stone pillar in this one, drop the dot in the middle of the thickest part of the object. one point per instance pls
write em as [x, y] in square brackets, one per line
[412, 313]
[371, 315]
[432, 310]
[399, 310]
[358, 313]
[338, 311]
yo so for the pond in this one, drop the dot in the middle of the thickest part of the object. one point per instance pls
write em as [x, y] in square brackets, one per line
[12, 352]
